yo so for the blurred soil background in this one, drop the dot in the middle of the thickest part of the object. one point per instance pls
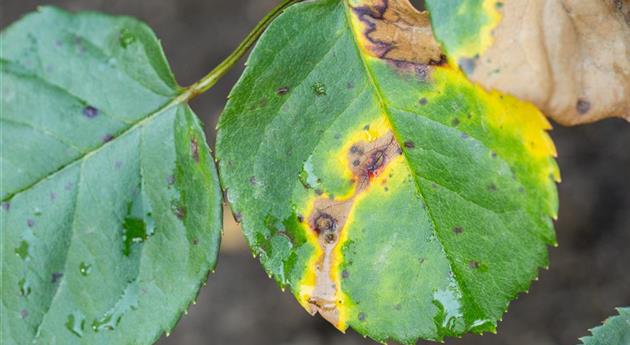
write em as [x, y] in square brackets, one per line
[589, 273]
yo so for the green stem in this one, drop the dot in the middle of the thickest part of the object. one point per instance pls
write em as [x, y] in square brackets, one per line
[211, 78]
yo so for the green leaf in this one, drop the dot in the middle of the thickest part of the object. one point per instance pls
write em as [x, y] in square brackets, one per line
[111, 210]
[614, 331]
[385, 190]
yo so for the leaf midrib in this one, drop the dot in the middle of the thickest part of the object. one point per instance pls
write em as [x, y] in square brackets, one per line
[182, 97]
[385, 109]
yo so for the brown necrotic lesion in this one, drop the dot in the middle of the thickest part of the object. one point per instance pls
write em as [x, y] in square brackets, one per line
[394, 30]
[329, 217]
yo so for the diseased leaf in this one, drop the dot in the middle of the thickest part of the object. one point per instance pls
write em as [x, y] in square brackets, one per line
[386, 191]
[111, 207]
[569, 58]
[614, 331]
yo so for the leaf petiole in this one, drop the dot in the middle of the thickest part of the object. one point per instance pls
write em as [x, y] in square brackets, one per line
[213, 76]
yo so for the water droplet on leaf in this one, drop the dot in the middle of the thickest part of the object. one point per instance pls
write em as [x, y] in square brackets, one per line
[126, 38]
[24, 287]
[76, 323]
[85, 269]
[22, 250]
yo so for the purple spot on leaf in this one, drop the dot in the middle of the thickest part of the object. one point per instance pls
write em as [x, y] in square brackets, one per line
[90, 112]
[107, 138]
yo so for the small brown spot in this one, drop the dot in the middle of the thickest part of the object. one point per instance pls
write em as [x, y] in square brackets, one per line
[458, 229]
[493, 154]
[473, 264]
[492, 187]
[319, 192]
[409, 144]
[55, 277]
[583, 106]
[366, 127]
[300, 218]
[195, 241]
[281, 91]
[180, 212]
[356, 162]
[194, 149]
[455, 122]
[423, 101]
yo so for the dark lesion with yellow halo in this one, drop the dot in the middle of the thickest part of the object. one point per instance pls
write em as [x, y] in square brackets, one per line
[327, 218]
